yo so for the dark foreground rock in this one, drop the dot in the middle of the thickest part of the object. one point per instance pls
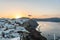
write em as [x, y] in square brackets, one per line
[34, 34]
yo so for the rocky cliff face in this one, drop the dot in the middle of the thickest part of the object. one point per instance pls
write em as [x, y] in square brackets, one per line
[34, 34]
[21, 28]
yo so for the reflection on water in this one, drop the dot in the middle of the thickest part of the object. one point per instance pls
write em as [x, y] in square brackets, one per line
[50, 28]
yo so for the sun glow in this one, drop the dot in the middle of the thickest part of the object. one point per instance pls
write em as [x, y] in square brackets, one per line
[17, 16]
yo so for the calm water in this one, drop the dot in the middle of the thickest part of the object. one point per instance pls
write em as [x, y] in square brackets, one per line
[48, 29]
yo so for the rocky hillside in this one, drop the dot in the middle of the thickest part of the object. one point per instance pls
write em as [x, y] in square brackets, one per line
[19, 29]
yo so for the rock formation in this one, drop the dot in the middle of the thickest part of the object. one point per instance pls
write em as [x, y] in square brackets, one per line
[34, 34]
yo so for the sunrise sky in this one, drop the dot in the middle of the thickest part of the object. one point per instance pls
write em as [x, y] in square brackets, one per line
[23, 8]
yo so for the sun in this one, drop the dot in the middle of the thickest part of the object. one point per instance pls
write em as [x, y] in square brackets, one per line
[18, 16]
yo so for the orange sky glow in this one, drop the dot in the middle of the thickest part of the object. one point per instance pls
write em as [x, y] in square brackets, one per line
[35, 8]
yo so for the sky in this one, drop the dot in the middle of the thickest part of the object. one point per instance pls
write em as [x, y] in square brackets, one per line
[23, 8]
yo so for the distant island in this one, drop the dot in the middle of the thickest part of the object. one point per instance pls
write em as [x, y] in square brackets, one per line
[48, 19]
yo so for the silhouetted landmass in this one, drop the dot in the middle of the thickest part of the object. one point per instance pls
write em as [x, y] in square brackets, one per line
[48, 19]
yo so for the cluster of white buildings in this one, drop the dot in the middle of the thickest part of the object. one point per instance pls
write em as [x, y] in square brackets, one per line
[9, 28]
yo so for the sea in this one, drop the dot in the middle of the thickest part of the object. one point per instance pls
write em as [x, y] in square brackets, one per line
[50, 30]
